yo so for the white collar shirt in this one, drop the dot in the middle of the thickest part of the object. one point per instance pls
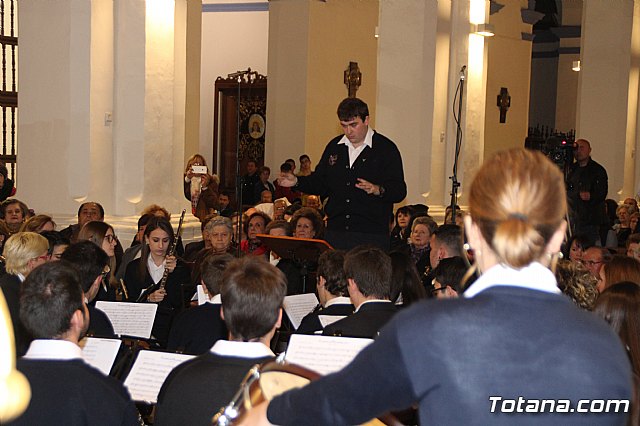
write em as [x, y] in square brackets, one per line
[533, 277]
[355, 152]
[340, 300]
[241, 349]
[155, 271]
[61, 350]
[372, 301]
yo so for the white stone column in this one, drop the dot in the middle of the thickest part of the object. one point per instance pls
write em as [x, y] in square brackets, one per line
[603, 86]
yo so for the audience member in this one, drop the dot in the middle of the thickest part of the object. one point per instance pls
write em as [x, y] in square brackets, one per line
[64, 389]
[195, 330]
[633, 246]
[307, 223]
[263, 184]
[623, 227]
[92, 266]
[249, 182]
[256, 224]
[587, 186]
[200, 188]
[14, 212]
[283, 189]
[449, 277]
[576, 282]
[86, 213]
[5, 233]
[23, 252]
[400, 232]
[252, 292]
[368, 272]
[422, 227]
[6, 185]
[575, 247]
[332, 287]
[305, 165]
[593, 258]
[224, 204]
[618, 269]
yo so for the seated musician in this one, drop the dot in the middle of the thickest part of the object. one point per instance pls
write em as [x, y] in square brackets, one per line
[22, 252]
[103, 235]
[64, 390]
[368, 272]
[92, 265]
[252, 293]
[332, 292]
[195, 330]
[144, 276]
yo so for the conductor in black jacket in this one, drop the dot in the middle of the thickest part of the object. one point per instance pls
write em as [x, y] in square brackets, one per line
[361, 173]
[368, 272]
[64, 389]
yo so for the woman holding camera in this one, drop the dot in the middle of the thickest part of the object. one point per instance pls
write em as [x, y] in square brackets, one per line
[200, 187]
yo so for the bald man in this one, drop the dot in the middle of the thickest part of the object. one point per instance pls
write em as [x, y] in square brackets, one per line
[587, 187]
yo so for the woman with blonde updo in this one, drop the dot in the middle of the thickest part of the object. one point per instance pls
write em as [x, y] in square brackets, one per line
[511, 340]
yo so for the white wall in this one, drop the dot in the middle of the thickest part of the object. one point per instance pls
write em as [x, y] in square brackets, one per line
[231, 41]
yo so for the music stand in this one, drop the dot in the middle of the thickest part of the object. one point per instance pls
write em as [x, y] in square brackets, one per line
[301, 251]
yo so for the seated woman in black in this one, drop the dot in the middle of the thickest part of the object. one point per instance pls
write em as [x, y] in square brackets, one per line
[144, 275]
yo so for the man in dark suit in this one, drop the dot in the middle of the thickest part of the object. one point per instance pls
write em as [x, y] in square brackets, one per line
[332, 292]
[197, 329]
[92, 264]
[252, 293]
[64, 389]
[368, 272]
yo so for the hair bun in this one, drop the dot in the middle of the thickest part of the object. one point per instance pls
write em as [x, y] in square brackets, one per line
[516, 241]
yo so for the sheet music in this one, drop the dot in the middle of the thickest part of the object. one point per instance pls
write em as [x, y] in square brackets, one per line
[325, 320]
[130, 319]
[100, 353]
[299, 305]
[149, 373]
[202, 297]
[324, 354]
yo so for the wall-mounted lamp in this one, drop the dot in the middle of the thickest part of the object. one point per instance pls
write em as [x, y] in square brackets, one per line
[376, 34]
[575, 66]
[484, 30]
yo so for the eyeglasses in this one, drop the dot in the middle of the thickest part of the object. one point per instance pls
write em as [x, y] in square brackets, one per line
[434, 289]
[111, 238]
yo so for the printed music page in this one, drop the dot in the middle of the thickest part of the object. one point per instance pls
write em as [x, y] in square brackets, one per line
[325, 320]
[299, 305]
[324, 354]
[149, 373]
[130, 319]
[100, 353]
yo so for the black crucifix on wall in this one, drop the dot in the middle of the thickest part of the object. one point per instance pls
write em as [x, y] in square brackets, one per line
[504, 102]
[352, 79]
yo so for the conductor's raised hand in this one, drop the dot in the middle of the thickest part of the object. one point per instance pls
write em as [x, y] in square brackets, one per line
[287, 179]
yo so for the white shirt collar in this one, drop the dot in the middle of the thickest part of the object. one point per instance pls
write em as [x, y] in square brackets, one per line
[53, 349]
[241, 349]
[21, 277]
[216, 300]
[372, 301]
[155, 271]
[355, 152]
[534, 277]
[340, 300]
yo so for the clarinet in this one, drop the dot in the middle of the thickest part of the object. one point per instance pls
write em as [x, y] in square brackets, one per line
[172, 250]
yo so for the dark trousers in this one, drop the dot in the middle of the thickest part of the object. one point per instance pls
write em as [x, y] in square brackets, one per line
[343, 240]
